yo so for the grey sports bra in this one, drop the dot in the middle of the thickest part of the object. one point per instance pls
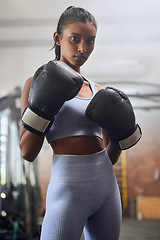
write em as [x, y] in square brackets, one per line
[72, 121]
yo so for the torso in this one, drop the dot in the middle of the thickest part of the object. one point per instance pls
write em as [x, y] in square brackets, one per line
[80, 145]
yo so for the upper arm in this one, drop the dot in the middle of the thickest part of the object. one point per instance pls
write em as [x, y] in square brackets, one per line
[24, 100]
[30, 144]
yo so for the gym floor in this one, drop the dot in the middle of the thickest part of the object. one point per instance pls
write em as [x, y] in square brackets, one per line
[140, 230]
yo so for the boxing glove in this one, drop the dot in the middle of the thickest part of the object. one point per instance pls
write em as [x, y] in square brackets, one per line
[52, 85]
[112, 110]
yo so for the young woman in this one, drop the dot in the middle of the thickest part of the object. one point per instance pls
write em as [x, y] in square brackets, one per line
[83, 190]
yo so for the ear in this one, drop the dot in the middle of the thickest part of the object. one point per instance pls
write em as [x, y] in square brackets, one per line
[56, 38]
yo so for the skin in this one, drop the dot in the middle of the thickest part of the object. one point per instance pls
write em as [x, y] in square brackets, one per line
[77, 43]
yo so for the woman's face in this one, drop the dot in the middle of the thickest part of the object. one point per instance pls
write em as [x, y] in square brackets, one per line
[76, 43]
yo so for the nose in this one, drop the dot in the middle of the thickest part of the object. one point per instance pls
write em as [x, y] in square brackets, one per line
[82, 47]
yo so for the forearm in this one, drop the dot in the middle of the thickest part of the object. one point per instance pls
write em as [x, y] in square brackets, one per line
[113, 153]
[30, 144]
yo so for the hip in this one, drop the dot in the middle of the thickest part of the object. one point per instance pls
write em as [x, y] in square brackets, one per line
[95, 167]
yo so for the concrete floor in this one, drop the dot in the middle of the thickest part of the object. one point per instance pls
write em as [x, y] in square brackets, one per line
[140, 230]
[132, 229]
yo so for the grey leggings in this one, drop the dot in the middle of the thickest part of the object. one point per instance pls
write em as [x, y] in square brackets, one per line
[82, 194]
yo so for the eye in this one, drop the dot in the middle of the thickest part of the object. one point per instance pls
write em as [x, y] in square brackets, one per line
[75, 39]
[91, 41]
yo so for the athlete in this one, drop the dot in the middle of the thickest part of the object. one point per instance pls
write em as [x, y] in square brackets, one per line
[87, 127]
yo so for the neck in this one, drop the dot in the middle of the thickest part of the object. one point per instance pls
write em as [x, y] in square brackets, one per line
[76, 68]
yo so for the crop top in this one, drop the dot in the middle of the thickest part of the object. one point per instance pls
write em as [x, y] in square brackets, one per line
[72, 121]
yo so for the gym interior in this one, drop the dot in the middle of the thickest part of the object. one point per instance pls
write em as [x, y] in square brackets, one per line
[126, 56]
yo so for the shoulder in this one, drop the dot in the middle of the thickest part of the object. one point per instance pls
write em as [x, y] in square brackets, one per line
[25, 93]
[27, 86]
[99, 87]
[29, 79]
[28, 82]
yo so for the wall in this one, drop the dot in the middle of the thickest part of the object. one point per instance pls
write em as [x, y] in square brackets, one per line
[142, 162]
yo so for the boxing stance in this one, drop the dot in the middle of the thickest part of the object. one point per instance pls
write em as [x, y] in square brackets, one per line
[86, 126]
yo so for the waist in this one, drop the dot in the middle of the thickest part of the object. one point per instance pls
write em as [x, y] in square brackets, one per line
[78, 145]
[82, 168]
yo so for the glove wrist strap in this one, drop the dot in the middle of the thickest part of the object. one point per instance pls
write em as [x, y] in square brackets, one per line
[131, 140]
[34, 121]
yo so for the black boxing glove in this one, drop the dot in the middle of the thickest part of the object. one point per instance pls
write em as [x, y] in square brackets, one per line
[112, 110]
[52, 85]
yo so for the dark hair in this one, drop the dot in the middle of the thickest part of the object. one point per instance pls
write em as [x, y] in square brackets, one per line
[70, 15]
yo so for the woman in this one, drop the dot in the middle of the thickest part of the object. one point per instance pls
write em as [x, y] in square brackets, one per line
[83, 190]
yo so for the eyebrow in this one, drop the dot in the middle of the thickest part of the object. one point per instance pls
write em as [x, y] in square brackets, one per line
[76, 34]
[80, 35]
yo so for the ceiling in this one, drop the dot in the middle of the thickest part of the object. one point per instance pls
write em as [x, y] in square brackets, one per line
[126, 55]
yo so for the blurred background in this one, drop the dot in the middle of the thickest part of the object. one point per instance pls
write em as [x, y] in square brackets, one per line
[126, 56]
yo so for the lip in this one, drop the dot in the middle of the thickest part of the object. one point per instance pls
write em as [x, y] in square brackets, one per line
[80, 57]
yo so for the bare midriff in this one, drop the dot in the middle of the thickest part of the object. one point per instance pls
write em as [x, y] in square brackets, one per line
[78, 145]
